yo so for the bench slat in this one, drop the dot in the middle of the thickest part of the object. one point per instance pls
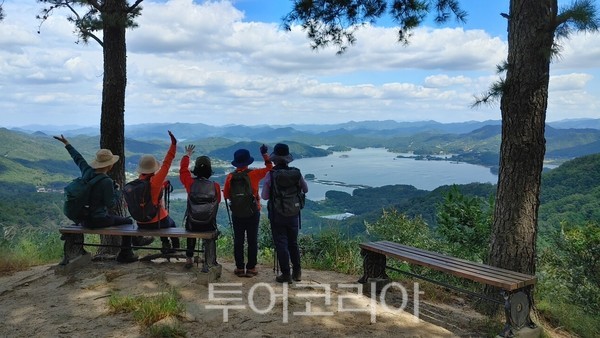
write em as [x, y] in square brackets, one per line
[505, 279]
[474, 266]
[133, 230]
[458, 269]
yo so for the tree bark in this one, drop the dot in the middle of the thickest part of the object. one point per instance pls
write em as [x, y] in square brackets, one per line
[523, 106]
[112, 120]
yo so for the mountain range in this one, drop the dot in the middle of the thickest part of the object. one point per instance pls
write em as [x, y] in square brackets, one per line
[30, 151]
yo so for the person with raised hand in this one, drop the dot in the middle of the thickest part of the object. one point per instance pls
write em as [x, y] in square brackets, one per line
[104, 195]
[203, 201]
[149, 168]
[241, 189]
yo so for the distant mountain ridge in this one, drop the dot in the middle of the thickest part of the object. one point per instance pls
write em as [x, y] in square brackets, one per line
[34, 153]
[386, 128]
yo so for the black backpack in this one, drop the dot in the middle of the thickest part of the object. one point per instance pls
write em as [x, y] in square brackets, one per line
[202, 206]
[243, 201]
[286, 195]
[137, 194]
[77, 197]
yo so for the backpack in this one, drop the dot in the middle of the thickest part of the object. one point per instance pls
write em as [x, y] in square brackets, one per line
[202, 206]
[243, 201]
[138, 198]
[77, 198]
[286, 196]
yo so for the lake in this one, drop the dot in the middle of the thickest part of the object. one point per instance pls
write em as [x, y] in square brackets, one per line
[376, 167]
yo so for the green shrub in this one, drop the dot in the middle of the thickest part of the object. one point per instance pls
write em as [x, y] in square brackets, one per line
[464, 224]
[570, 269]
[329, 250]
[396, 227]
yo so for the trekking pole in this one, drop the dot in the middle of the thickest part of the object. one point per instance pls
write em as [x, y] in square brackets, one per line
[168, 188]
[275, 263]
[230, 222]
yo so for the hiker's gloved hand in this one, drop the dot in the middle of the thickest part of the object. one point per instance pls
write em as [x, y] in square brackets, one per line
[173, 139]
[189, 149]
[263, 149]
[62, 139]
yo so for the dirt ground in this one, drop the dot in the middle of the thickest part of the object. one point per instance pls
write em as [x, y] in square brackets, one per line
[41, 303]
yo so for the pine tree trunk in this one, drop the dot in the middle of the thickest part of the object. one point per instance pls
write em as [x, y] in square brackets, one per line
[112, 121]
[523, 105]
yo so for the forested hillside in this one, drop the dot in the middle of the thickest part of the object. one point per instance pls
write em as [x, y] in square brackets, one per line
[569, 193]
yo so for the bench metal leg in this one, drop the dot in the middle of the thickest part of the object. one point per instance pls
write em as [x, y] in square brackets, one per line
[72, 247]
[373, 266]
[517, 309]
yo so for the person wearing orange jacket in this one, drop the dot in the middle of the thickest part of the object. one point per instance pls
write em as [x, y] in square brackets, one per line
[247, 226]
[202, 170]
[150, 168]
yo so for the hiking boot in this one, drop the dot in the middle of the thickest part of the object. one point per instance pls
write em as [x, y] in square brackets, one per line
[284, 278]
[126, 257]
[188, 263]
[166, 248]
[142, 240]
[251, 272]
[297, 275]
[239, 272]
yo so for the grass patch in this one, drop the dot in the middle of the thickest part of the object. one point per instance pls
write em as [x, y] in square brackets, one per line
[167, 331]
[331, 251]
[22, 252]
[148, 310]
[569, 317]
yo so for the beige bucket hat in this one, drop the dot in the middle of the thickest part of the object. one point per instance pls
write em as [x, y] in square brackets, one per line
[148, 164]
[104, 158]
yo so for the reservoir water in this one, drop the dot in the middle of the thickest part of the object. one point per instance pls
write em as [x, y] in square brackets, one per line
[375, 167]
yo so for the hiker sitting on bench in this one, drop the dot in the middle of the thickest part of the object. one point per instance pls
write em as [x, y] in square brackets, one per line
[203, 201]
[104, 195]
[155, 173]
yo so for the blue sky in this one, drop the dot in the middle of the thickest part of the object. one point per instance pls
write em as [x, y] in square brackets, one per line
[230, 63]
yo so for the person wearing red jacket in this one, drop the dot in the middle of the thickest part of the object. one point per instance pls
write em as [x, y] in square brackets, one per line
[150, 168]
[202, 170]
[247, 226]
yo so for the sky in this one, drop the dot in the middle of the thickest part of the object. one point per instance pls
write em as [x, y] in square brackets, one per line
[230, 62]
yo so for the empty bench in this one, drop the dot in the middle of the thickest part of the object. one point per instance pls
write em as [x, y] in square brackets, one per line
[74, 240]
[515, 286]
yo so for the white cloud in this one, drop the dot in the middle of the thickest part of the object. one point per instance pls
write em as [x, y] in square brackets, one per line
[206, 62]
[442, 80]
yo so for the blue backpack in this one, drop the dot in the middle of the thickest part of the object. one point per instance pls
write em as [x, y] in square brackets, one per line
[77, 197]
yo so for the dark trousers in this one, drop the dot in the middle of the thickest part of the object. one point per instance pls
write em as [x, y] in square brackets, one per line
[191, 243]
[108, 221]
[285, 238]
[245, 228]
[166, 222]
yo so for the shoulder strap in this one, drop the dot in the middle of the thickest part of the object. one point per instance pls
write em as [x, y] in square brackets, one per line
[97, 178]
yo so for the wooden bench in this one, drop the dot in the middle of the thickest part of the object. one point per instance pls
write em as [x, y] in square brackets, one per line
[73, 236]
[515, 287]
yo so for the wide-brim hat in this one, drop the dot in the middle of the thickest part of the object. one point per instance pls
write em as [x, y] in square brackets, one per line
[281, 153]
[242, 158]
[104, 158]
[148, 164]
